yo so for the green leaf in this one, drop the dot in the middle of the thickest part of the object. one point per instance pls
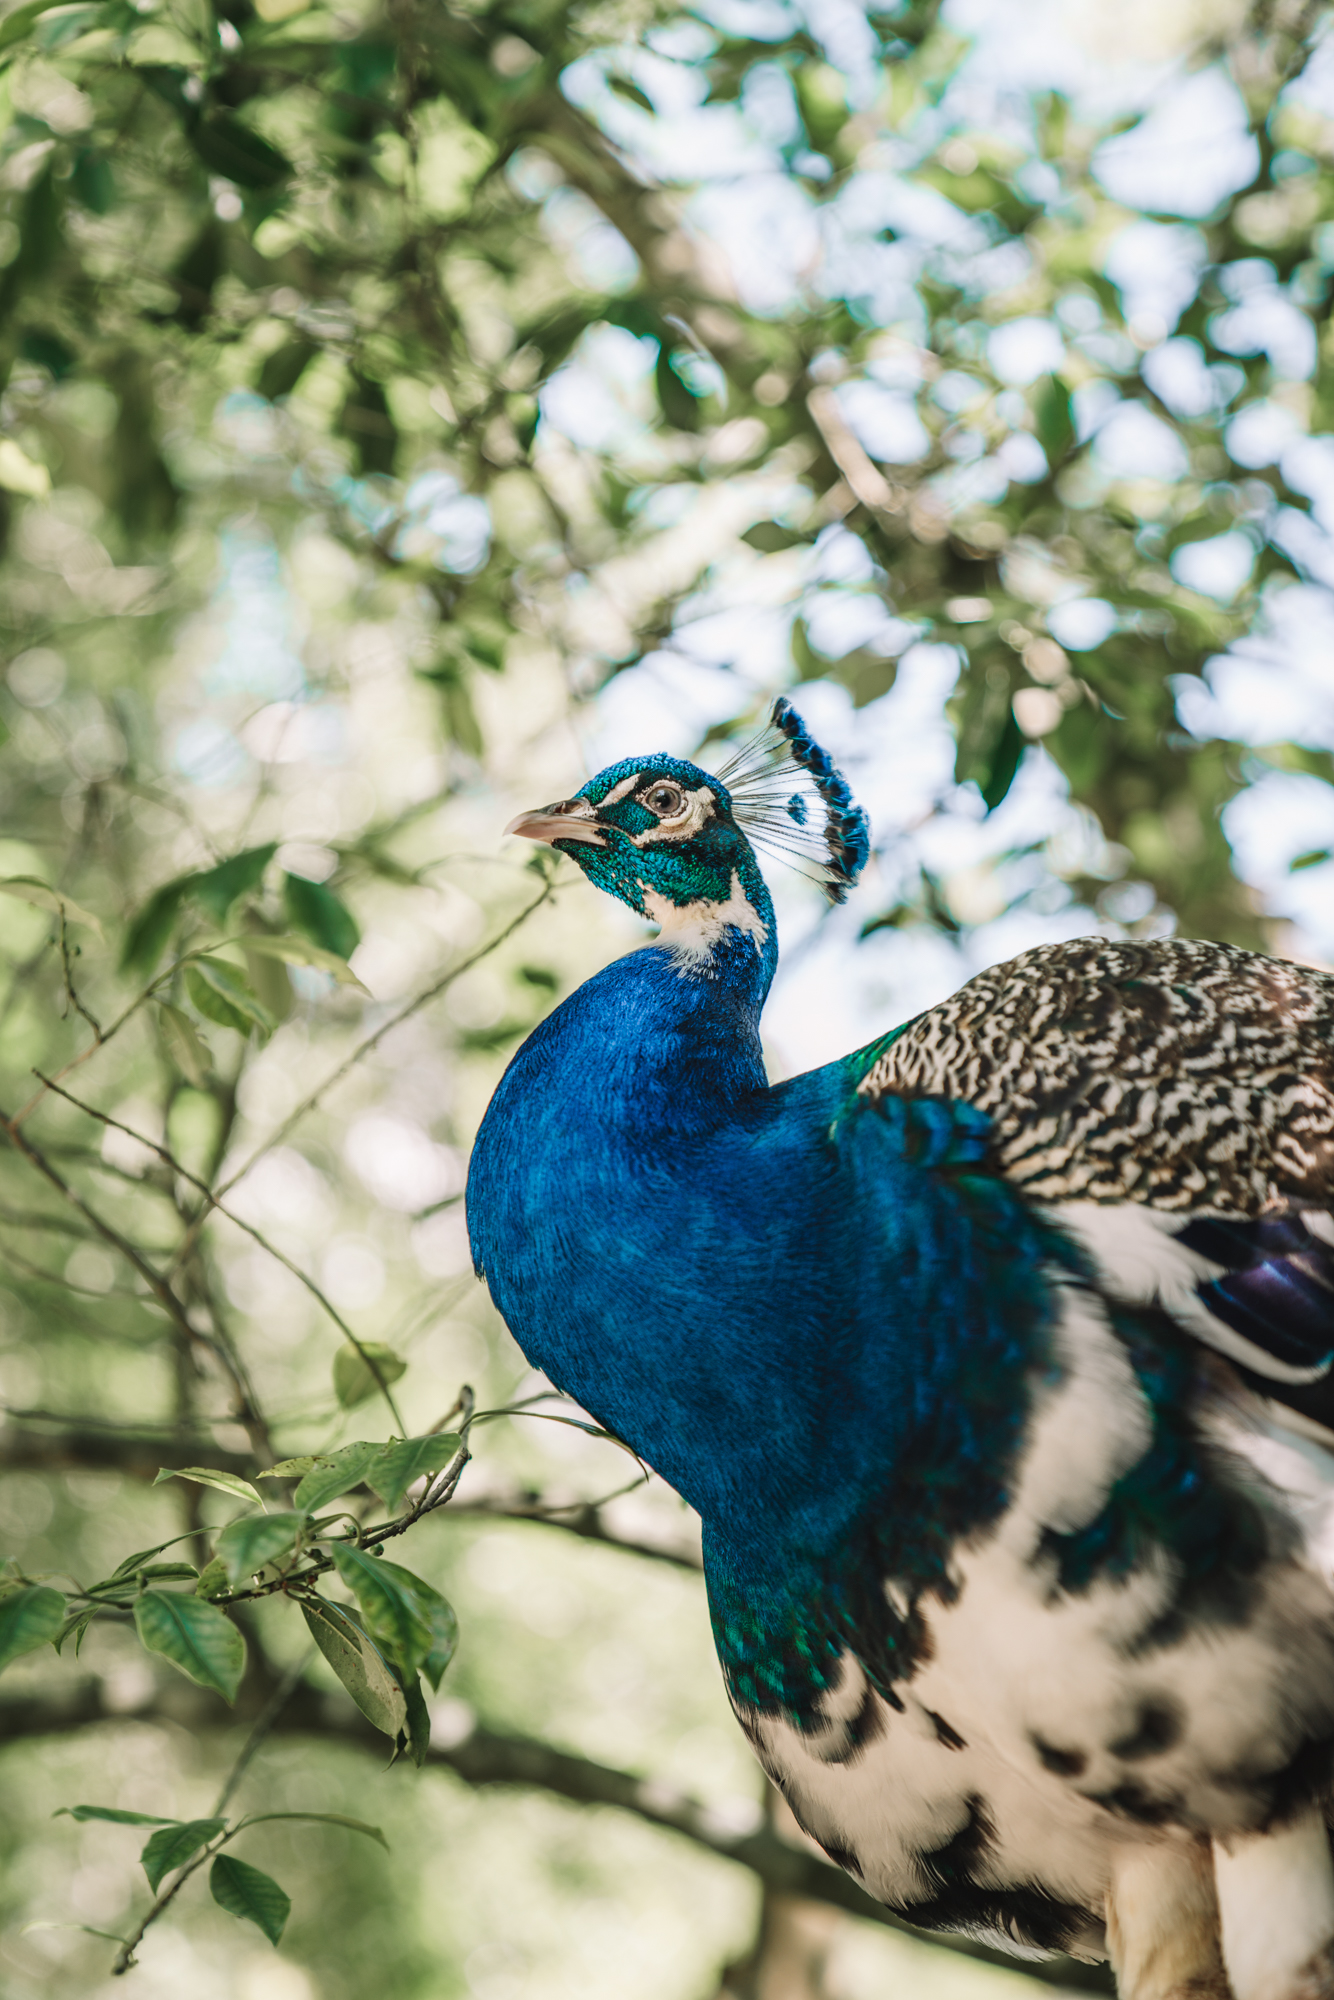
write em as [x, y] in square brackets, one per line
[402, 1460]
[288, 1468]
[321, 915]
[30, 1617]
[205, 1475]
[142, 1556]
[151, 930]
[27, 889]
[223, 994]
[15, 26]
[335, 1472]
[195, 1637]
[174, 1845]
[771, 536]
[323, 1819]
[444, 1635]
[246, 1545]
[676, 400]
[461, 717]
[1053, 416]
[92, 182]
[283, 369]
[1009, 748]
[248, 1892]
[358, 1663]
[427, 1607]
[75, 1627]
[229, 148]
[630, 92]
[1311, 859]
[436, 1613]
[301, 951]
[115, 1815]
[394, 1619]
[212, 1579]
[417, 1731]
[67, 24]
[367, 421]
[354, 1380]
[217, 889]
[184, 1044]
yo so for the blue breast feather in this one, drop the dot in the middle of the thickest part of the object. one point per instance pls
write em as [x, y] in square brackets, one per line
[788, 1303]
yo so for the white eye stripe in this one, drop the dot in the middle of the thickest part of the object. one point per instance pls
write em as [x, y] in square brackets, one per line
[620, 791]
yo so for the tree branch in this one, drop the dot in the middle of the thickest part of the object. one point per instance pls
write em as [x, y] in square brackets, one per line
[370, 1041]
[212, 1203]
[248, 1411]
[142, 1454]
[490, 1757]
[584, 1519]
[137, 1454]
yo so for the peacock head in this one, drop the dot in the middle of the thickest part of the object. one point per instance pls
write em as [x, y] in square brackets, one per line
[675, 842]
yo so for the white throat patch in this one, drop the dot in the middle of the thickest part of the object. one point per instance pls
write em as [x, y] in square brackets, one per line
[695, 932]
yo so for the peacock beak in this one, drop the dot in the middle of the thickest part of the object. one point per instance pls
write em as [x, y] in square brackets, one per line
[568, 819]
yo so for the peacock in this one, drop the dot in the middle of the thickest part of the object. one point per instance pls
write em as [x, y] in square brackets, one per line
[996, 1361]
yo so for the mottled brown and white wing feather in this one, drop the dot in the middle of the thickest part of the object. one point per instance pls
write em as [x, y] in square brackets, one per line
[1186, 1075]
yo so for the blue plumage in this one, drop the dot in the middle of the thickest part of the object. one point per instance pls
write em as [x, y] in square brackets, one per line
[927, 1337]
[646, 1228]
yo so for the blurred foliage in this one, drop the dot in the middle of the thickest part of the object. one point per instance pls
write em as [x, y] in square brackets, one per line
[296, 545]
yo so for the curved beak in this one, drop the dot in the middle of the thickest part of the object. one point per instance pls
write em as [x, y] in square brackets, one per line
[568, 819]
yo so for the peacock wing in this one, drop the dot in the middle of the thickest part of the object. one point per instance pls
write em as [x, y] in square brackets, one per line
[1172, 1103]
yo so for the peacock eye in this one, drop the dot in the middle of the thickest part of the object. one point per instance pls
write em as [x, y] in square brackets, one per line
[665, 800]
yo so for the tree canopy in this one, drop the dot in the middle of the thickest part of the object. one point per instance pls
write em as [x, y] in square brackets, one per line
[386, 387]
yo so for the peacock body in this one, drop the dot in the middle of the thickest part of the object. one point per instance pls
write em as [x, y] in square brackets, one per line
[995, 1360]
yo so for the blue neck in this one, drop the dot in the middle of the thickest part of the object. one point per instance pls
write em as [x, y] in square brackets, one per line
[606, 1186]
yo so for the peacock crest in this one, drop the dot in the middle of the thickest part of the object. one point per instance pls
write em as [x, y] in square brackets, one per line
[792, 801]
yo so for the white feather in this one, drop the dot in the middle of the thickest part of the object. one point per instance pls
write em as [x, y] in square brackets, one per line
[1276, 1901]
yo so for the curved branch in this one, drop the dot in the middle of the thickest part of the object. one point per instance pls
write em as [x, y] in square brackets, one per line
[490, 1757]
[141, 1454]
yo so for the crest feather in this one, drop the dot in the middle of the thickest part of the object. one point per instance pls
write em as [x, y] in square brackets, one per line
[791, 798]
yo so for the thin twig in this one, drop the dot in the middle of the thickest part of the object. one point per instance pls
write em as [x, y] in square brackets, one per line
[213, 1203]
[247, 1408]
[101, 1036]
[99, 1041]
[27, 1269]
[70, 987]
[262, 1727]
[365, 1046]
[125, 1956]
[264, 1723]
[22, 1218]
